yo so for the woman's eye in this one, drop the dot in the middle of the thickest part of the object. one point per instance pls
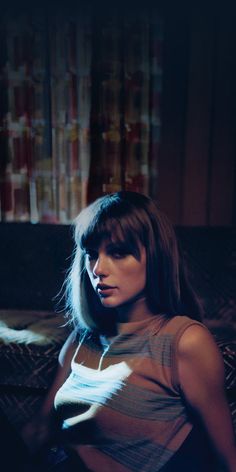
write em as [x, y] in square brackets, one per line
[119, 256]
[118, 253]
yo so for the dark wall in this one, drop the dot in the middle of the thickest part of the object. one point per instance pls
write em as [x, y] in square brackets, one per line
[196, 183]
[34, 263]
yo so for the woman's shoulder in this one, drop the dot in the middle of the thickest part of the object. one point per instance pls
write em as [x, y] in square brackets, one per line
[179, 323]
[193, 340]
[196, 337]
[184, 329]
[169, 332]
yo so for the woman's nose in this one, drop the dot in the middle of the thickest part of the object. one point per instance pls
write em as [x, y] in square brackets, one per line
[100, 267]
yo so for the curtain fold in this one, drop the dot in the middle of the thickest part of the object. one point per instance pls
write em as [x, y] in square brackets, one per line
[80, 110]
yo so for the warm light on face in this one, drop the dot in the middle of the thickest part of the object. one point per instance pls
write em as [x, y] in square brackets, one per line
[116, 275]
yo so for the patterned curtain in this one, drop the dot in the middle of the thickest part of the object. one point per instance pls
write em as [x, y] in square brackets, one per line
[80, 109]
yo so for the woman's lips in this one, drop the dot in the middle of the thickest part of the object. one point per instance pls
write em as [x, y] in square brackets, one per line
[104, 290]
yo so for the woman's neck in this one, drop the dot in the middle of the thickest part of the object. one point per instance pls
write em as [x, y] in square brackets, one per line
[135, 310]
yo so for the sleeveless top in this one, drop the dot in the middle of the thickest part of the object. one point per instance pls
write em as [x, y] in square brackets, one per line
[121, 407]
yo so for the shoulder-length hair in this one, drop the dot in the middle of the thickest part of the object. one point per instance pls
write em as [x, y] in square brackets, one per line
[129, 218]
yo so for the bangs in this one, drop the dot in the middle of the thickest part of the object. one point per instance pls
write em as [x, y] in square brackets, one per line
[121, 228]
[111, 230]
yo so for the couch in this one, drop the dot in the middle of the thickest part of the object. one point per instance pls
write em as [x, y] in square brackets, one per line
[34, 262]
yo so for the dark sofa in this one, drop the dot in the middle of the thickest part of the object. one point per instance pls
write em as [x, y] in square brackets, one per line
[34, 262]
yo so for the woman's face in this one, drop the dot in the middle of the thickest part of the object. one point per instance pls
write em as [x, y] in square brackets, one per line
[117, 276]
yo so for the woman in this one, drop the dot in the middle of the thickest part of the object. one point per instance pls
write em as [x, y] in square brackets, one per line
[140, 385]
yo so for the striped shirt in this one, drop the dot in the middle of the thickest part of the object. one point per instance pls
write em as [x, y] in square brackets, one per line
[122, 407]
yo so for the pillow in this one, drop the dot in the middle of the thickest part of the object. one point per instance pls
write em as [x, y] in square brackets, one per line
[32, 327]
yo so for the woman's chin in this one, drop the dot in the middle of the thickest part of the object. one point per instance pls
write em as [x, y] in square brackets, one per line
[107, 303]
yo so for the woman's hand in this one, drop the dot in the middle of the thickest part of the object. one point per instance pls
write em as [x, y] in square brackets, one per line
[202, 380]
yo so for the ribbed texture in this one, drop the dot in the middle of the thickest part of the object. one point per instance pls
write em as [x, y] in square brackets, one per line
[129, 413]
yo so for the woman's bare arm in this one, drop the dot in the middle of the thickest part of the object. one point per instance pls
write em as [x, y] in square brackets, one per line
[202, 379]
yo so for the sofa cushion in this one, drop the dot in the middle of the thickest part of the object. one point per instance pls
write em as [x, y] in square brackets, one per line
[29, 346]
[228, 349]
[30, 342]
